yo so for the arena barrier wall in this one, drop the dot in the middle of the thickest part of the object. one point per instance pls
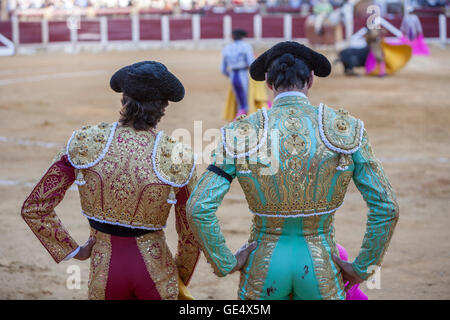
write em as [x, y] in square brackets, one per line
[134, 31]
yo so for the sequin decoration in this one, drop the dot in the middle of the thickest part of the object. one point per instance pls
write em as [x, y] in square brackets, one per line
[304, 169]
[38, 210]
[100, 259]
[252, 279]
[339, 131]
[160, 264]
[122, 188]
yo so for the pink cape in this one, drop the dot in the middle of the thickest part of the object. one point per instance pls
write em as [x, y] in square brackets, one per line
[355, 292]
[371, 64]
[418, 45]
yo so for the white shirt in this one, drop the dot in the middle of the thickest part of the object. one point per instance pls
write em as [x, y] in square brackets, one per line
[290, 94]
[236, 55]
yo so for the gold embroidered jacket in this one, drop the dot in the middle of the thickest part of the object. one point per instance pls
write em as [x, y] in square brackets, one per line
[125, 177]
[295, 160]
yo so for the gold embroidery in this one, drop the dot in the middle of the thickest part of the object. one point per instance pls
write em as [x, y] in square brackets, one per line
[123, 188]
[322, 268]
[100, 259]
[311, 225]
[253, 281]
[88, 143]
[188, 251]
[305, 183]
[173, 160]
[38, 212]
[302, 184]
[160, 264]
[341, 130]
[245, 134]
[329, 237]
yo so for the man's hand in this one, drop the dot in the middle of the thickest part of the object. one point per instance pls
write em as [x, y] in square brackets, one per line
[86, 249]
[349, 275]
[242, 255]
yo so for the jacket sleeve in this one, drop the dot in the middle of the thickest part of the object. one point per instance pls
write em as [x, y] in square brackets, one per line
[202, 206]
[38, 209]
[188, 251]
[372, 182]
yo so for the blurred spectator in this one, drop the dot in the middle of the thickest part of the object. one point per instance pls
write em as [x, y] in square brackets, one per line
[198, 4]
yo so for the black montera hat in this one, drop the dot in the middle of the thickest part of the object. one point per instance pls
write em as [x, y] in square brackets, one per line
[314, 60]
[147, 81]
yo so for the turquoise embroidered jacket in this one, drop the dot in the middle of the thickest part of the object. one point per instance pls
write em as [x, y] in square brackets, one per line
[295, 161]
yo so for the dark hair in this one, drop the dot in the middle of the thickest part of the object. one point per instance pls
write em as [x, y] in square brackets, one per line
[141, 115]
[288, 72]
[238, 34]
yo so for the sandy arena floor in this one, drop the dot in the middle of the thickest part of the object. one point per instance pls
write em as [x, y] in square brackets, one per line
[44, 98]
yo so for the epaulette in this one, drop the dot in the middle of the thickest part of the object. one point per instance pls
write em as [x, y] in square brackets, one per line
[246, 135]
[340, 132]
[88, 145]
[173, 162]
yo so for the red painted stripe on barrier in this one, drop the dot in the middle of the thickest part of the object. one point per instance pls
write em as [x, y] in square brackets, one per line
[58, 31]
[430, 26]
[272, 27]
[119, 29]
[180, 29]
[358, 23]
[89, 30]
[298, 27]
[150, 29]
[211, 27]
[243, 21]
[30, 32]
[6, 29]
[448, 28]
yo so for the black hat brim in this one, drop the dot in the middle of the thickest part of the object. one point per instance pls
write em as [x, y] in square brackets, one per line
[315, 61]
[161, 85]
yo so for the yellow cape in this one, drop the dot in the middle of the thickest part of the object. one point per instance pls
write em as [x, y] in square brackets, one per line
[395, 57]
[257, 99]
[183, 292]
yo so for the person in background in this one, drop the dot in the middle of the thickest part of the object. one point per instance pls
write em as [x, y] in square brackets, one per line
[236, 59]
[374, 39]
[321, 11]
[413, 32]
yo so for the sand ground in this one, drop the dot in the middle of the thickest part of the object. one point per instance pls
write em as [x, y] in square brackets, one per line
[43, 98]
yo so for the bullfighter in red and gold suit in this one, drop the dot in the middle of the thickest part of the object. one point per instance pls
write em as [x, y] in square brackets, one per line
[128, 177]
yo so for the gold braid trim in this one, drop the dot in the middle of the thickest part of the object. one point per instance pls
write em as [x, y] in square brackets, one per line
[340, 129]
[260, 261]
[89, 144]
[100, 259]
[160, 264]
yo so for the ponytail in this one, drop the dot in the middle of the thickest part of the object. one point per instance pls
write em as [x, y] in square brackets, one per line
[288, 72]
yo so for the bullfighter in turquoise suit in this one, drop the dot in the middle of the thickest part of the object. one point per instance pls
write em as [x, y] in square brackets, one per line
[294, 163]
